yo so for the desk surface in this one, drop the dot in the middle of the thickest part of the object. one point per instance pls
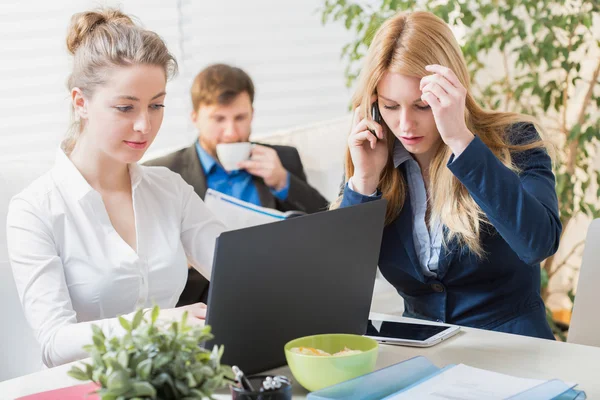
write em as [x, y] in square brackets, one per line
[500, 352]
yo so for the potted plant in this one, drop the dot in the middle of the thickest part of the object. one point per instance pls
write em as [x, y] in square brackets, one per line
[153, 360]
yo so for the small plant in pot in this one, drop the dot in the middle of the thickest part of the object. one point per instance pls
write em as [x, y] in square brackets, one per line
[153, 360]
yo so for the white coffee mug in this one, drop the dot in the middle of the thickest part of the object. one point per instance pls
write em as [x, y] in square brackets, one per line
[230, 154]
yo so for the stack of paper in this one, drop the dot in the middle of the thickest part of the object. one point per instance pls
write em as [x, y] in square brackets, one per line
[462, 382]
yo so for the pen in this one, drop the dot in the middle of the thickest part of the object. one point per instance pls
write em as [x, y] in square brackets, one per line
[241, 378]
[275, 382]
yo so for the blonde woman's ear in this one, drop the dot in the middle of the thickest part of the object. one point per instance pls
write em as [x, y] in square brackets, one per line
[79, 102]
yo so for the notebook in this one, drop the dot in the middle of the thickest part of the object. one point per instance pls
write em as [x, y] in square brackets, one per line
[419, 378]
[78, 392]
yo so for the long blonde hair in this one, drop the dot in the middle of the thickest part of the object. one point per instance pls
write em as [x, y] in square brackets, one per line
[405, 44]
[107, 38]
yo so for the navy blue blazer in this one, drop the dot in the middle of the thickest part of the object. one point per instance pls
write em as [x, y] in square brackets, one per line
[501, 291]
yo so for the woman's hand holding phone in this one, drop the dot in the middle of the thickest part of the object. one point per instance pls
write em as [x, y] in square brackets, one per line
[369, 153]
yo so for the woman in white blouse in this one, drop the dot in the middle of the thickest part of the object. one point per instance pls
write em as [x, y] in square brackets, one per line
[99, 236]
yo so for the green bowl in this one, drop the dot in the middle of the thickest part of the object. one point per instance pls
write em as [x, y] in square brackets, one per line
[317, 372]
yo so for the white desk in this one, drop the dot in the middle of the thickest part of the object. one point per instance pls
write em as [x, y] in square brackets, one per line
[500, 352]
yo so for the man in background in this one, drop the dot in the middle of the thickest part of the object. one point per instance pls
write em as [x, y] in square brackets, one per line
[273, 177]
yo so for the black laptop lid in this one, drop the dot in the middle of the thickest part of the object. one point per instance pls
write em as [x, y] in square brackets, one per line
[303, 276]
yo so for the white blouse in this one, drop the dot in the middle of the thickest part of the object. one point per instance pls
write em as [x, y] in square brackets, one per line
[72, 268]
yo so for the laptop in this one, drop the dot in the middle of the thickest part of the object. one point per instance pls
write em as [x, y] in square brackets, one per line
[585, 325]
[284, 280]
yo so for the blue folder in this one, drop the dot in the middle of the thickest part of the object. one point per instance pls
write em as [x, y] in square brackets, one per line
[400, 377]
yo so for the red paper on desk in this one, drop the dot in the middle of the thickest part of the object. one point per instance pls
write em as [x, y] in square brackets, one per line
[79, 392]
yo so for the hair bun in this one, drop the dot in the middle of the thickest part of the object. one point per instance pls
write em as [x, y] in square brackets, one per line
[84, 23]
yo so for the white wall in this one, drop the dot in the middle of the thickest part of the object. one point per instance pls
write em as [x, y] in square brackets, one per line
[293, 59]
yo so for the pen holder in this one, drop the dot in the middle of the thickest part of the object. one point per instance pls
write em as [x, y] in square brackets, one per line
[283, 393]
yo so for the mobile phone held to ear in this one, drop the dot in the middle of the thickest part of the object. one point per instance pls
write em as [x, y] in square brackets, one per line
[375, 115]
[375, 112]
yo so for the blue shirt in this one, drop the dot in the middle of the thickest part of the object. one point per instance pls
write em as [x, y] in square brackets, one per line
[238, 184]
[428, 242]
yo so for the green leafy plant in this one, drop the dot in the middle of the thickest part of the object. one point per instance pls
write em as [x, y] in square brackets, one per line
[153, 361]
[538, 57]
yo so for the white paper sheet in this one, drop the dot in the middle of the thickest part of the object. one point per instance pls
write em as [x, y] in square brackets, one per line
[467, 383]
[238, 214]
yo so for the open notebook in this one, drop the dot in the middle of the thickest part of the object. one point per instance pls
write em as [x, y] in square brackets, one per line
[418, 378]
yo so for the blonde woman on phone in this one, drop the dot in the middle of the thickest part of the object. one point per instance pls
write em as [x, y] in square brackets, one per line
[472, 207]
[99, 235]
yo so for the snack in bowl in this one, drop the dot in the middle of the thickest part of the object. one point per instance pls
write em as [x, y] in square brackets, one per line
[311, 351]
[347, 352]
[324, 360]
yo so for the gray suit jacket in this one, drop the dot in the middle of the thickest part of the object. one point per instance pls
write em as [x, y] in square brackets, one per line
[301, 196]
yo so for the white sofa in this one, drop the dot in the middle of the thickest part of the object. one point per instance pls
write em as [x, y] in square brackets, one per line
[19, 350]
[321, 147]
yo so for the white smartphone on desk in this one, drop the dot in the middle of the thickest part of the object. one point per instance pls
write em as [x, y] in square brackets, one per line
[409, 334]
